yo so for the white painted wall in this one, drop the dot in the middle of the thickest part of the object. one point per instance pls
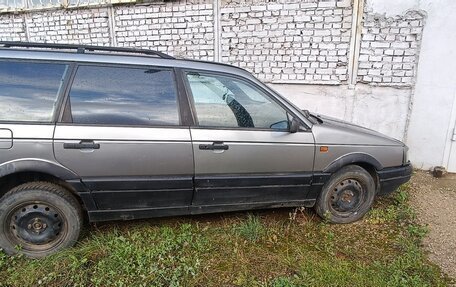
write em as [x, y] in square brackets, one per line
[431, 121]
[384, 109]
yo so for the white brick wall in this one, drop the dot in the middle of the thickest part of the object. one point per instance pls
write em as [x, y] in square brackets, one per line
[390, 49]
[179, 29]
[287, 41]
[88, 26]
[12, 27]
[306, 3]
[280, 41]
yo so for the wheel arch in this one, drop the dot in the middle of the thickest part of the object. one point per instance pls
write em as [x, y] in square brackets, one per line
[37, 165]
[364, 160]
[18, 172]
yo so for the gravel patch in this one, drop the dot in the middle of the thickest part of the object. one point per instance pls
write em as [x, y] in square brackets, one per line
[434, 199]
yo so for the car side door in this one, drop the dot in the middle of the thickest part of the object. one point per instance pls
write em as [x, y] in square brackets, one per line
[244, 152]
[121, 132]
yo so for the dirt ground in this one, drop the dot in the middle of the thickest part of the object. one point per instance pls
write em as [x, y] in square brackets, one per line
[434, 199]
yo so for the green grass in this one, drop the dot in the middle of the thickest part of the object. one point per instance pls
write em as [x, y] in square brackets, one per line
[277, 248]
[251, 229]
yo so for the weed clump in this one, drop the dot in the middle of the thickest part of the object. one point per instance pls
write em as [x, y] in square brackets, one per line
[251, 229]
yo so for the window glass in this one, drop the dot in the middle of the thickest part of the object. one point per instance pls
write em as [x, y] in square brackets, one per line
[28, 91]
[124, 96]
[222, 101]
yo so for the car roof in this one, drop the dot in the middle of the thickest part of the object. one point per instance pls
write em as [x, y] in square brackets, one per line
[118, 58]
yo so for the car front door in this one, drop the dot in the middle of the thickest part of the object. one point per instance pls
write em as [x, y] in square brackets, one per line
[121, 132]
[244, 152]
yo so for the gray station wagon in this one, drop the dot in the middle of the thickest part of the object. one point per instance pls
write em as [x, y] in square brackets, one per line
[116, 133]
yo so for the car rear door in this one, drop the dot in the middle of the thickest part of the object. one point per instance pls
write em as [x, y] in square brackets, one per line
[244, 152]
[121, 132]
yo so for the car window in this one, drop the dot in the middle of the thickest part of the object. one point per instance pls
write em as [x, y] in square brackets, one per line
[29, 91]
[223, 101]
[124, 96]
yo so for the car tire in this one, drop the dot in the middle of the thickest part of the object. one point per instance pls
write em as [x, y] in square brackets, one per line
[38, 219]
[347, 196]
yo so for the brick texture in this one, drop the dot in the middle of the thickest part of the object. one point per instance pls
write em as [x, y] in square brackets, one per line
[179, 29]
[87, 26]
[12, 28]
[390, 49]
[288, 41]
[280, 41]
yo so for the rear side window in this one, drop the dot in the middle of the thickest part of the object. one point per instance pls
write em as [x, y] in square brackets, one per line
[29, 91]
[124, 96]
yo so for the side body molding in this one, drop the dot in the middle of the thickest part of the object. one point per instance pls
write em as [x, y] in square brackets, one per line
[353, 158]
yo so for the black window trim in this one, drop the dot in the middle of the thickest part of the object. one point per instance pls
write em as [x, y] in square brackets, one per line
[66, 108]
[186, 110]
[185, 71]
[60, 93]
[65, 92]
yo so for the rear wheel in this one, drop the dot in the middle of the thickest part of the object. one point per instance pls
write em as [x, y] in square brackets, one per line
[347, 196]
[38, 219]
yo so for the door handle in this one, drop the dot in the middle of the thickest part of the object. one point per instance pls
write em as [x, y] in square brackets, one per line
[82, 145]
[214, 146]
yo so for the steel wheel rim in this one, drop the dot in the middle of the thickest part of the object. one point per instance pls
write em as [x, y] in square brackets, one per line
[36, 226]
[347, 197]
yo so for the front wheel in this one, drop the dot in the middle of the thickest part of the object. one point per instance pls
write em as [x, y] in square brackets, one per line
[38, 219]
[347, 196]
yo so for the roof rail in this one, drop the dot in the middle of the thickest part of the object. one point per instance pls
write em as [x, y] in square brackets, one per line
[82, 48]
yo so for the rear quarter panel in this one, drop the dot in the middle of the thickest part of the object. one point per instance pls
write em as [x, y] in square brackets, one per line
[29, 141]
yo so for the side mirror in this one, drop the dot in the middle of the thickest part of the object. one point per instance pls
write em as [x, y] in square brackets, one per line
[294, 126]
